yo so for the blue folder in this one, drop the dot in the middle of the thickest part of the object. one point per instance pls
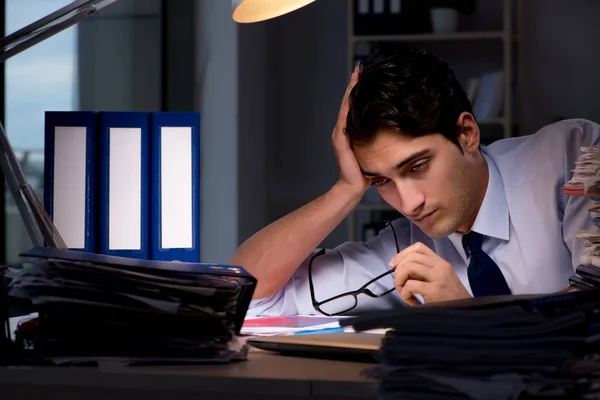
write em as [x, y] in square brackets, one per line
[175, 186]
[124, 183]
[70, 175]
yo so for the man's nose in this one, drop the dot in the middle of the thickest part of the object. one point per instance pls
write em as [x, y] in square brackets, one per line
[411, 198]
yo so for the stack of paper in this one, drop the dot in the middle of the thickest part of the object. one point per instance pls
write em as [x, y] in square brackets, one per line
[586, 175]
[136, 311]
[297, 325]
[591, 256]
[586, 182]
[514, 348]
[289, 325]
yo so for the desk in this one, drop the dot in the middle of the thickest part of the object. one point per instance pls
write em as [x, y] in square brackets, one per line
[264, 376]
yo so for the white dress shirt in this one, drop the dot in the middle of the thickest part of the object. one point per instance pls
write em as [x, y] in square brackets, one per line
[528, 225]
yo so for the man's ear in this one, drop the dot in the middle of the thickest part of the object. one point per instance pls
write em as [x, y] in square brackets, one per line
[468, 135]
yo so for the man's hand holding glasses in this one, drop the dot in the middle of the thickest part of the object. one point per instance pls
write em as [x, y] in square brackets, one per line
[418, 270]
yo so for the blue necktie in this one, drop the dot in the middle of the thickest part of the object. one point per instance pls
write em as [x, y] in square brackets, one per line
[485, 277]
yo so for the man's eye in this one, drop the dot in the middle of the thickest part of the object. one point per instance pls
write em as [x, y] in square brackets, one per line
[379, 182]
[419, 167]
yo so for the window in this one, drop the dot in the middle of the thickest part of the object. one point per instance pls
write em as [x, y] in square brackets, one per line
[41, 78]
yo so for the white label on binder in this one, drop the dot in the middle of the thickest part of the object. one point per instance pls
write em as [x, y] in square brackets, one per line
[395, 6]
[125, 189]
[364, 6]
[69, 184]
[176, 187]
[378, 6]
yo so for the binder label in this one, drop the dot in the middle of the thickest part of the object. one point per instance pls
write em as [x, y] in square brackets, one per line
[125, 189]
[176, 187]
[69, 184]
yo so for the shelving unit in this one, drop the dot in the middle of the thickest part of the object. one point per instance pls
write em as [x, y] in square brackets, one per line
[508, 36]
[428, 36]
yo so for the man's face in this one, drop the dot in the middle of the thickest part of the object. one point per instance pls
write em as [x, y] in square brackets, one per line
[425, 178]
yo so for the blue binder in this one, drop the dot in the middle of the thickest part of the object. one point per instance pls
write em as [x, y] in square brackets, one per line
[175, 204]
[70, 176]
[124, 183]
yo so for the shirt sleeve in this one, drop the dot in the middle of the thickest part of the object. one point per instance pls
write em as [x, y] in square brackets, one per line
[575, 208]
[344, 268]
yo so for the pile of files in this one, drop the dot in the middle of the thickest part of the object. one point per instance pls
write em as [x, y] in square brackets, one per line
[509, 347]
[93, 308]
[587, 273]
[586, 182]
[586, 175]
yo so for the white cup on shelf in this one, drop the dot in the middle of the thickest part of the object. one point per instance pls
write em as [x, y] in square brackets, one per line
[444, 20]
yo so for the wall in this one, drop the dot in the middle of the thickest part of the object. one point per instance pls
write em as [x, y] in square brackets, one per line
[254, 105]
[309, 51]
[121, 68]
[561, 61]
[269, 93]
[179, 63]
[120, 58]
[215, 87]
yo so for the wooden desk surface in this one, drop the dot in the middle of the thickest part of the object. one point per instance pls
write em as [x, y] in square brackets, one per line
[263, 376]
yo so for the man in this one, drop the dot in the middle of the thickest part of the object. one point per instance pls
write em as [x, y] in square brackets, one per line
[479, 220]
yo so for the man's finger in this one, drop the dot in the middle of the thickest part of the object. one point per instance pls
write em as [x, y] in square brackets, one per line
[353, 80]
[396, 259]
[345, 106]
[410, 289]
[412, 271]
[416, 257]
[417, 247]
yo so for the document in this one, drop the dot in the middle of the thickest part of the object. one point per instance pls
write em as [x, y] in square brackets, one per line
[586, 175]
[136, 312]
[537, 347]
[586, 182]
[591, 254]
[288, 325]
[297, 325]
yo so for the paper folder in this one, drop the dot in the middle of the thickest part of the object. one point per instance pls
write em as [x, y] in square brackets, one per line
[219, 279]
[175, 204]
[124, 184]
[70, 176]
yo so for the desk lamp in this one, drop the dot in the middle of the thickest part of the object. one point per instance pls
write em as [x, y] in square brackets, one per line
[245, 11]
[39, 225]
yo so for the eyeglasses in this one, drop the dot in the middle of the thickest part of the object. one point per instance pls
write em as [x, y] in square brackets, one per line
[342, 303]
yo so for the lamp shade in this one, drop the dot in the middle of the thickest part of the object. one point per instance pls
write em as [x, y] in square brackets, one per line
[245, 11]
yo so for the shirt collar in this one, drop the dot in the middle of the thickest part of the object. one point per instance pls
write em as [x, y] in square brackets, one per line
[493, 217]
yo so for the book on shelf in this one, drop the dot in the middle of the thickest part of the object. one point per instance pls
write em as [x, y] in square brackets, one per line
[486, 93]
[400, 17]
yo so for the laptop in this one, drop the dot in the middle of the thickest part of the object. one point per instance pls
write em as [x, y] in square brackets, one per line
[347, 346]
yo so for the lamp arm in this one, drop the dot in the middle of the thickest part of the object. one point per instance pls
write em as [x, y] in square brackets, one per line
[16, 182]
[39, 225]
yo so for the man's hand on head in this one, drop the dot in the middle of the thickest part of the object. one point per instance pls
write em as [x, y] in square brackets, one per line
[350, 174]
[419, 270]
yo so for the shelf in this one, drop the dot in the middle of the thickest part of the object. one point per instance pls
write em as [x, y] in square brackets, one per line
[479, 35]
[505, 37]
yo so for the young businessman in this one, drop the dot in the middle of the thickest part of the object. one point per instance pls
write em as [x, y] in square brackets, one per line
[479, 220]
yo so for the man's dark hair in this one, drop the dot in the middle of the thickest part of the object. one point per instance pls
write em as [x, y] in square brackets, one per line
[407, 90]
